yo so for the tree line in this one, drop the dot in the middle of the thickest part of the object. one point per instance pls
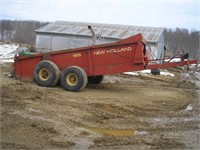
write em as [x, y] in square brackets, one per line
[175, 39]
[19, 31]
[182, 39]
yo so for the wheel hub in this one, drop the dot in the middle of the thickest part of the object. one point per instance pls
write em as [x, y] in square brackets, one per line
[44, 74]
[72, 79]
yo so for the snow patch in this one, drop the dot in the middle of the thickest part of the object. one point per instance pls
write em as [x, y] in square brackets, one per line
[148, 72]
[197, 75]
[142, 133]
[173, 60]
[189, 107]
[166, 73]
[6, 60]
[7, 52]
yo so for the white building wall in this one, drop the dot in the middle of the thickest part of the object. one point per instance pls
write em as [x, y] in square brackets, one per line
[51, 42]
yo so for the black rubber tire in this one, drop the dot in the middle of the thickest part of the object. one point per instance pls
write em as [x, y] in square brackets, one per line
[155, 71]
[52, 75]
[80, 81]
[95, 79]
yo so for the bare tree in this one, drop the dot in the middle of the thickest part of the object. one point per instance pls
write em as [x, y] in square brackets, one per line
[24, 31]
[182, 39]
[6, 30]
[19, 31]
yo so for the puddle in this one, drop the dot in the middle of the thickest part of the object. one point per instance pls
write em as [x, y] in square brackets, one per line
[114, 132]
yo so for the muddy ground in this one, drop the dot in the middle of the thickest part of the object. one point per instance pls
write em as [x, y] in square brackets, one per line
[123, 112]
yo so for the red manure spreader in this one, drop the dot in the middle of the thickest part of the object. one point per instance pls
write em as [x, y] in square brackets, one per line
[74, 68]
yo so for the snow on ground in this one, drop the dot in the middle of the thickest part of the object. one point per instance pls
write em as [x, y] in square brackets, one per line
[7, 52]
[148, 71]
[189, 107]
[173, 60]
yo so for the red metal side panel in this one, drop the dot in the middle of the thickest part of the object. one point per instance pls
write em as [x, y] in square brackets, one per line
[125, 55]
[76, 58]
[115, 59]
[25, 67]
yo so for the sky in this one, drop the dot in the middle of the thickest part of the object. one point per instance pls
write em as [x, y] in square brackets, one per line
[153, 13]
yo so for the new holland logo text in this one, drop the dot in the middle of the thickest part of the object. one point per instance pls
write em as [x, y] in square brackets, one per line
[110, 51]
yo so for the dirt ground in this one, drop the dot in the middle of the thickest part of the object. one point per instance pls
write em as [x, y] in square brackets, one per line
[123, 112]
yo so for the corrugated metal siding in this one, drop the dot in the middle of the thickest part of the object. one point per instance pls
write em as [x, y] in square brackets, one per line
[151, 34]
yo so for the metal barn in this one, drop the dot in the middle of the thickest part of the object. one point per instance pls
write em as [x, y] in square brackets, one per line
[62, 35]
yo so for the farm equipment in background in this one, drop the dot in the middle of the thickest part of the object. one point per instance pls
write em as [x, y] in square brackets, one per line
[79, 66]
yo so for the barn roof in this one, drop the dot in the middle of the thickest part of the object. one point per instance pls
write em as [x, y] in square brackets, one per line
[151, 34]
